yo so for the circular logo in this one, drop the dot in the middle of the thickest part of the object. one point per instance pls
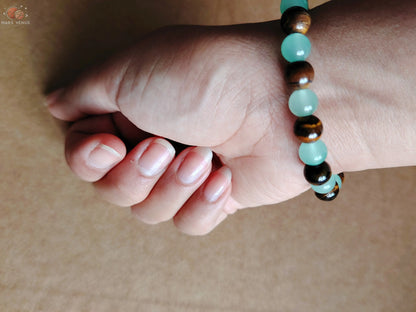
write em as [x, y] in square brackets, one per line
[11, 12]
[19, 15]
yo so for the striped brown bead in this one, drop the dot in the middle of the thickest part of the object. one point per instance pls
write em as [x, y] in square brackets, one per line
[329, 196]
[295, 20]
[308, 129]
[341, 175]
[299, 74]
[317, 175]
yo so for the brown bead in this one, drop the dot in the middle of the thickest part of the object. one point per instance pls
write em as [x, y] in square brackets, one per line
[329, 196]
[341, 175]
[317, 175]
[299, 74]
[308, 129]
[295, 20]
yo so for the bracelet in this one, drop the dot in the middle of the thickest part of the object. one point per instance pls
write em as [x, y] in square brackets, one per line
[303, 102]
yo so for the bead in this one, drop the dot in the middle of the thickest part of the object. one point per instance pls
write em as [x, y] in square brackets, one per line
[308, 129]
[339, 178]
[314, 153]
[329, 196]
[299, 74]
[296, 47]
[317, 175]
[326, 187]
[286, 4]
[295, 20]
[303, 102]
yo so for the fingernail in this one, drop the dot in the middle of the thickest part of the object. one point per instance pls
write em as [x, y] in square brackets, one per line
[103, 156]
[51, 98]
[155, 158]
[217, 186]
[194, 165]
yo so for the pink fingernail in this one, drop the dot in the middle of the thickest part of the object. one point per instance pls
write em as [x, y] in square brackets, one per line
[155, 158]
[103, 156]
[196, 162]
[51, 98]
[217, 186]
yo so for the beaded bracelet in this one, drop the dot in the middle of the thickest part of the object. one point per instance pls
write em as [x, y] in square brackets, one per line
[303, 102]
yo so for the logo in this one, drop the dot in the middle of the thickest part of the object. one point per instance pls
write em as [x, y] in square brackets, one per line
[15, 15]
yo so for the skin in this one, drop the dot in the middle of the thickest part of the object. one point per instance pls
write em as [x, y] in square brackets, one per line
[221, 89]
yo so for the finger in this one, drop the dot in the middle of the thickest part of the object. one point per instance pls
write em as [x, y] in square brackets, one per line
[92, 93]
[207, 207]
[185, 175]
[132, 179]
[93, 147]
[91, 156]
[128, 132]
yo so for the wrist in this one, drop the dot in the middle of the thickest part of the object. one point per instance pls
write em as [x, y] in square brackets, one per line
[365, 95]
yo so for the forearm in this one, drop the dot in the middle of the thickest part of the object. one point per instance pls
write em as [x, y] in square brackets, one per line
[364, 57]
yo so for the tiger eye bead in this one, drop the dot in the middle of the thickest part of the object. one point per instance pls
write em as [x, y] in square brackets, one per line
[317, 175]
[308, 129]
[295, 20]
[329, 196]
[299, 74]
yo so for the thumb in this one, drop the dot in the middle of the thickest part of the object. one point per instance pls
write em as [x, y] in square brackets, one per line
[93, 93]
[170, 84]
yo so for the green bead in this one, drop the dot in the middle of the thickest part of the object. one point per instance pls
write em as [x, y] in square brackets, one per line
[286, 4]
[314, 153]
[326, 187]
[296, 47]
[303, 102]
[338, 180]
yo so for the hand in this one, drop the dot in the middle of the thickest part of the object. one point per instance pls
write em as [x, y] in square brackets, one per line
[198, 90]
[202, 87]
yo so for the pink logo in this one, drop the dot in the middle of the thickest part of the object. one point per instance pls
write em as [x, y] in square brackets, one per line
[16, 15]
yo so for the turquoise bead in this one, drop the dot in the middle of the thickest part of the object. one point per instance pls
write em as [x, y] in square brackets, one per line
[314, 153]
[326, 187]
[296, 47]
[338, 180]
[303, 102]
[286, 4]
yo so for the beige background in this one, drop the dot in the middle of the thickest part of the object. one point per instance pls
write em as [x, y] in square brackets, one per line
[62, 249]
